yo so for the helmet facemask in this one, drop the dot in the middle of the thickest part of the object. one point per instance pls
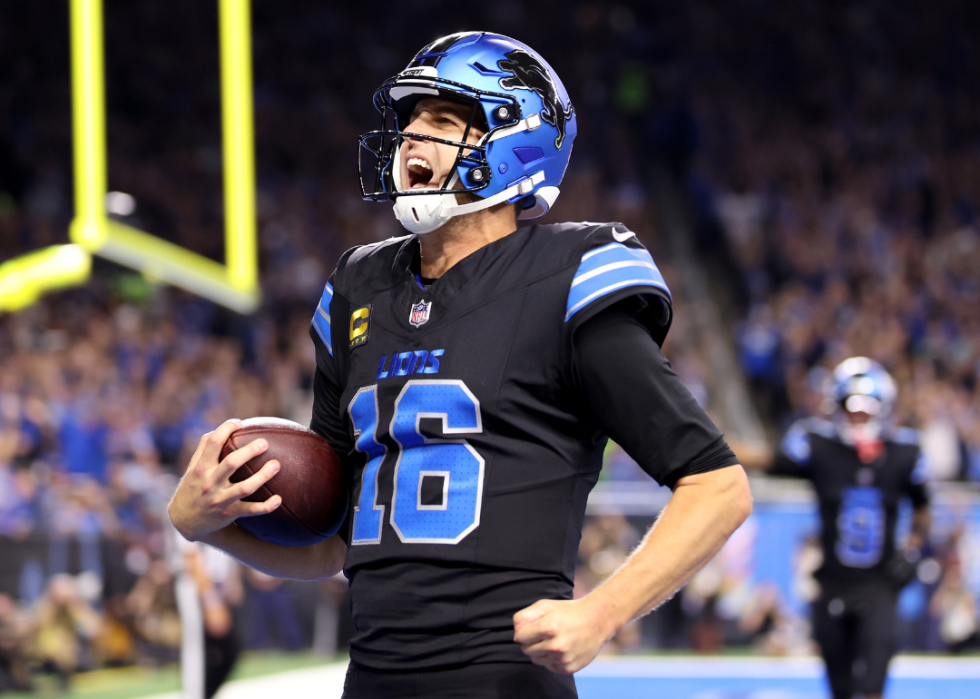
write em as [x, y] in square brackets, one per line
[423, 210]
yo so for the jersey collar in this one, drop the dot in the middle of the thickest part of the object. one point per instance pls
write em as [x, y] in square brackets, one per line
[406, 291]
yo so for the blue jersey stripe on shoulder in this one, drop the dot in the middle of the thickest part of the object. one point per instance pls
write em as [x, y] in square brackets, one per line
[600, 256]
[796, 444]
[608, 269]
[321, 319]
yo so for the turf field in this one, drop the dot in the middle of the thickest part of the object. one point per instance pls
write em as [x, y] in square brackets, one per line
[299, 676]
[766, 678]
[685, 678]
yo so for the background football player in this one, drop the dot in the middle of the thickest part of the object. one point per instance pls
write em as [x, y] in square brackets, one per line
[469, 375]
[861, 468]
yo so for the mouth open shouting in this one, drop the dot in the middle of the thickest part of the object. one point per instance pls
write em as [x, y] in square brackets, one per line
[427, 164]
[420, 173]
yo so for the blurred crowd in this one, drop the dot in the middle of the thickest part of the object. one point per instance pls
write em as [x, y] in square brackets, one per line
[844, 171]
[833, 178]
[838, 167]
[100, 409]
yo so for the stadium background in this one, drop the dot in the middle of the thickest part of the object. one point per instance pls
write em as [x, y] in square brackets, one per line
[805, 174]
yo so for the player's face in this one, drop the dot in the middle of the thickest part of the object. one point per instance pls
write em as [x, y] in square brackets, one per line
[857, 417]
[424, 164]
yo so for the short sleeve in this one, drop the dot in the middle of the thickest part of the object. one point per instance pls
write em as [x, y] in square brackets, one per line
[635, 398]
[321, 318]
[907, 440]
[916, 487]
[612, 266]
[329, 419]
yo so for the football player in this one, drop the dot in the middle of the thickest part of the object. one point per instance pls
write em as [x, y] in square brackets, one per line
[469, 373]
[861, 468]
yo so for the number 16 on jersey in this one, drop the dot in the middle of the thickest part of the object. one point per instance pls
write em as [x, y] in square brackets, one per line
[451, 463]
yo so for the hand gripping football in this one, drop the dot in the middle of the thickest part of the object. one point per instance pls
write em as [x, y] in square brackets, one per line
[310, 482]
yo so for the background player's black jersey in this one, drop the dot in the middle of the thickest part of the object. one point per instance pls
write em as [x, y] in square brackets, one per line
[858, 502]
[472, 449]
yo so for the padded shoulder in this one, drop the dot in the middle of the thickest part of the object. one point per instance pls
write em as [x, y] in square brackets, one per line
[908, 439]
[366, 264]
[610, 265]
[796, 443]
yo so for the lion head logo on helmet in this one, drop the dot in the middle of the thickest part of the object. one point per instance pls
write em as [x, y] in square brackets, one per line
[528, 74]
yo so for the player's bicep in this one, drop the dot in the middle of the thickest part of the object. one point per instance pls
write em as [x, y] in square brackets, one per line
[637, 399]
[328, 420]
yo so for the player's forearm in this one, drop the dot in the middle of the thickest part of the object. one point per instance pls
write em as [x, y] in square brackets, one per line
[317, 562]
[920, 526]
[704, 511]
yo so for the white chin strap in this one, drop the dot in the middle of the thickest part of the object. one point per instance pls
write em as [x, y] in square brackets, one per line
[425, 213]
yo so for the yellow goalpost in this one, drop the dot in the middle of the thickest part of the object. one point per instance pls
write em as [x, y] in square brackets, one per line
[233, 284]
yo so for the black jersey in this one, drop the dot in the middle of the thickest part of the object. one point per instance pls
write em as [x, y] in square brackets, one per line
[858, 501]
[472, 453]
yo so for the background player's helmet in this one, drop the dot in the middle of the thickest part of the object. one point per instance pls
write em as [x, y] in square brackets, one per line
[862, 385]
[516, 97]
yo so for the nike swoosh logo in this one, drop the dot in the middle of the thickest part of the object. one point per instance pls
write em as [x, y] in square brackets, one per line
[621, 237]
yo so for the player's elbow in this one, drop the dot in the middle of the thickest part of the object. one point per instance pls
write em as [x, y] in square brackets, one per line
[740, 497]
[734, 495]
[328, 560]
[725, 492]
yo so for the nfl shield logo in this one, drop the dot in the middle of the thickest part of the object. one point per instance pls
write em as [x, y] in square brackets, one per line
[420, 313]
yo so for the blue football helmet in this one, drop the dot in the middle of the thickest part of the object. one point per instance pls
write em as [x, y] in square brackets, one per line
[862, 385]
[517, 100]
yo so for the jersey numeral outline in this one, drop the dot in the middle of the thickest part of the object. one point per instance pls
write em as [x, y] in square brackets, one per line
[368, 514]
[455, 461]
[860, 527]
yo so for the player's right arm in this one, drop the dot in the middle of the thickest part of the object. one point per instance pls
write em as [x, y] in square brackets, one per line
[793, 457]
[207, 503]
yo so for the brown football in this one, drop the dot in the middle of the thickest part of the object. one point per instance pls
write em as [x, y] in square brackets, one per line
[310, 482]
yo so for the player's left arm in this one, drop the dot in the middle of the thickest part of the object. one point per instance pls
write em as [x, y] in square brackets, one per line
[640, 402]
[916, 491]
[921, 521]
[901, 569]
[706, 508]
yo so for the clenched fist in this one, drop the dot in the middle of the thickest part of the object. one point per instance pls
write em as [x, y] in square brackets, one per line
[562, 635]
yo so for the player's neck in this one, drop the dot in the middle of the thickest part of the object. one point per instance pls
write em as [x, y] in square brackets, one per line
[462, 236]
